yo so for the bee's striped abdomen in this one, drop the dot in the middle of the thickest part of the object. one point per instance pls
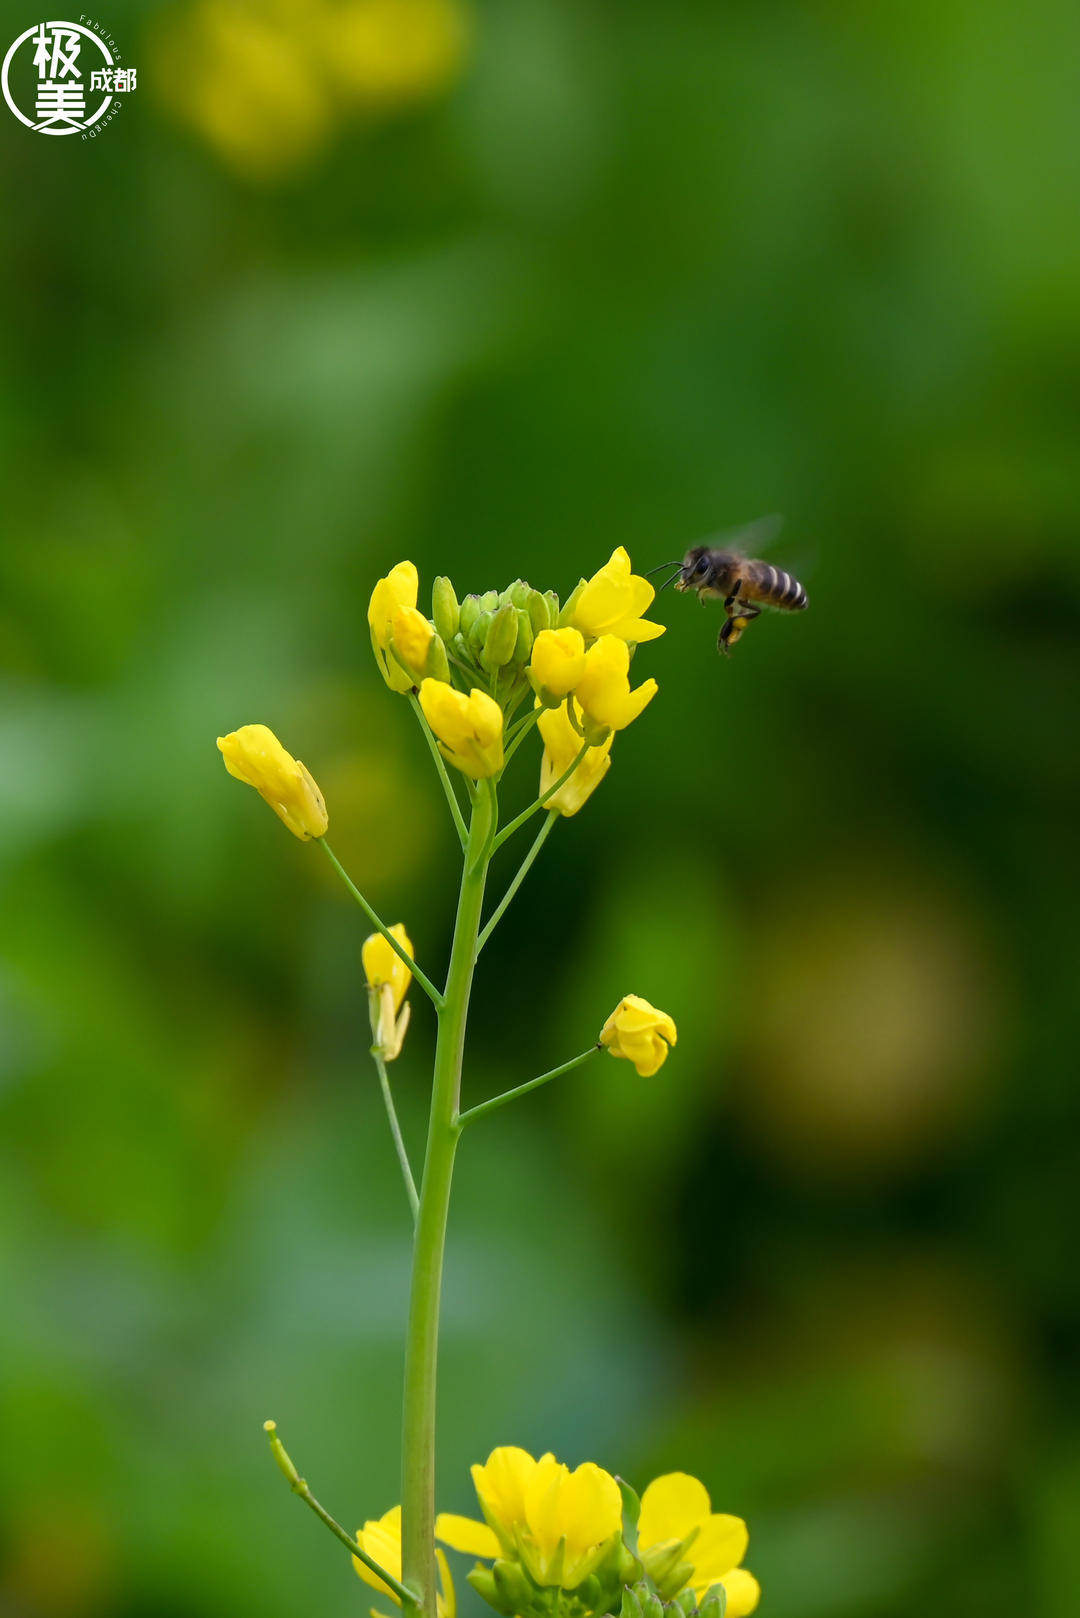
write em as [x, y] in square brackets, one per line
[779, 589]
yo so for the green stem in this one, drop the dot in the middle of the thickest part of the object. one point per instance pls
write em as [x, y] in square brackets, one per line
[299, 1487]
[521, 730]
[527, 814]
[425, 983]
[421, 1348]
[523, 871]
[440, 764]
[523, 1089]
[395, 1130]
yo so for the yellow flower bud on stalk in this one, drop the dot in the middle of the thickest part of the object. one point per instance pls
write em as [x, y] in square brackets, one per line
[557, 664]
[417, 647]
[397, 590]
[603, 691]
[469, 729]
[388, 980]
[640, 1033]
[254, 755]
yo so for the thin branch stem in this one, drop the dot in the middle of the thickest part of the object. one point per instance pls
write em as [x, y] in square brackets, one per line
[425, 983]
[299, 1486]
[521, 730]
[399, 1142]
[528, 813]
[523, 1089]
[522, 873]
[440, 764]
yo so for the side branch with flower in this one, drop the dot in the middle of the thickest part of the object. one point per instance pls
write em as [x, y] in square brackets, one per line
[481, 675]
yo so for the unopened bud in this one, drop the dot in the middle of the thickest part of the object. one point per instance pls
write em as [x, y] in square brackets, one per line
[566, 616]
[501, 638]
[444, 608]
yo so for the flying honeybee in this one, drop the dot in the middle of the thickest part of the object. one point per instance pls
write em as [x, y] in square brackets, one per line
[723, 572]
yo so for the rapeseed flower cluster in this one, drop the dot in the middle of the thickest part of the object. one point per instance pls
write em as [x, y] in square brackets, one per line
[556, 1543]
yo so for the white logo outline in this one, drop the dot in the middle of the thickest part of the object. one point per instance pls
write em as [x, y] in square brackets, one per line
[72, 127]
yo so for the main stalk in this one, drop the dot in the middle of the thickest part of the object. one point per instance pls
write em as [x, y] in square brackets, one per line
[422, 1343]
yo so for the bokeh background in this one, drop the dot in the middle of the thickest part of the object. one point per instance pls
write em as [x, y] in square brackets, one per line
[497, 289]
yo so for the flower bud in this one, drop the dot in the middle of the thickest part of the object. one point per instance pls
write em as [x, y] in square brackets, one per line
[641, 1034]
[715, 1603]
[254, 755]
[566, 616]
[469, 728]
[444, 608]
[493, 1586]
[558, 662]
[518, 593]
[398, 589]
[540, 614]
[470, 612]
[411, 636]
[388, 980]
[523, 644]
[501, 638]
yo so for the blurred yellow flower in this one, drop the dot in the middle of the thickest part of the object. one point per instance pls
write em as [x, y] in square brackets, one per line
[254, 755]
[560, 1522]
[412, 636]
[557, 663]
[397, 590]
[603, 690]
[391, 52]
[381, 1539]
[469, 728]
[562, 744]
[676, 1508]
[642, 1034]
[613, 600]
[388, 979]
[267, 82]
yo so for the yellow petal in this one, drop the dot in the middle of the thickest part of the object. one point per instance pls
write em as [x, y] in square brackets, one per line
[671, 1507]
[381, 1539]
[501, 1483]
[590, 1507]
[467, 1535]
[743, 1593]
[719, 1547]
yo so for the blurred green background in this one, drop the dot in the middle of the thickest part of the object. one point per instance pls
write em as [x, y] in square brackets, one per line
[498, 290]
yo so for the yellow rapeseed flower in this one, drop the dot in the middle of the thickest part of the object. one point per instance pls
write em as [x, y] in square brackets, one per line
[388, 980]
[398, 589]
[640, 1033]
[676, 1508]
[613, 600]
[392, 52]
[603, 691]
[557, 663]
[562, 744]
[381, 1539]
[561, 1523]
[469, 728]
[254, 755]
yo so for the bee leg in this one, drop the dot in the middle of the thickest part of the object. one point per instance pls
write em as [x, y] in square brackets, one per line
[740, 614]
[733, 597]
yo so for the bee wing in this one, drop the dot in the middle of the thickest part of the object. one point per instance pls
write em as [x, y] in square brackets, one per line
[748, 539]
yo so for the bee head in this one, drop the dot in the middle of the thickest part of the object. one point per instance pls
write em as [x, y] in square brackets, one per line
[698, 569]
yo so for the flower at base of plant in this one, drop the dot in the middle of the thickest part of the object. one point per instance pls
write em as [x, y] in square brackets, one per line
[642, 1034]
[562, 744]
[612, 601]
[681, 1537]
[560, 1525]
[603, 691]
[557, 664]
[388, 980]
[398, 589]
[382, 1540]
[254, 755]
[469, 729]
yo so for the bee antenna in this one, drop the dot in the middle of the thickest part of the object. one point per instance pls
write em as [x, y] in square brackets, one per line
[670, 580]
[659, 568]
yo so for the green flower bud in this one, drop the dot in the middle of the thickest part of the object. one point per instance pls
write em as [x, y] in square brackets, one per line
[513, 1586]
[539, 610]
[438, 665]
[501, 638]
[523, 644]
[486, 1585]
[470, 612]
[631, 1606]
[490, 601]
[518, 593]
[652, 1606]
[686, 1601]
[444, 608]
[715, 1603]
